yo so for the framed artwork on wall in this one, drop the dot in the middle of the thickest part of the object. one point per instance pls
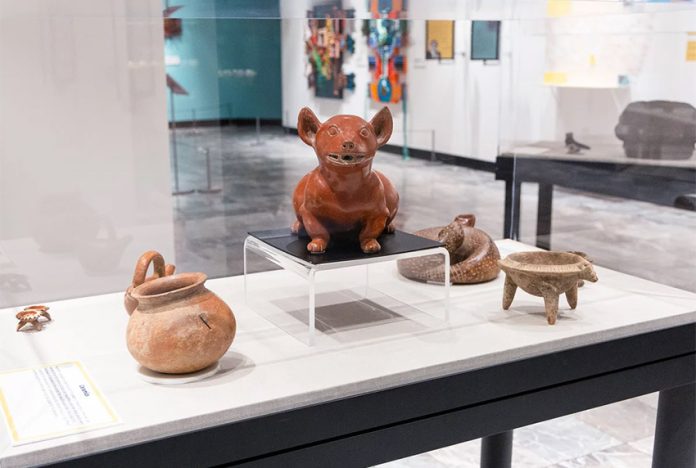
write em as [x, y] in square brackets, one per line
[485, 40]
[387, 35]
[439, 40]
[327, 41]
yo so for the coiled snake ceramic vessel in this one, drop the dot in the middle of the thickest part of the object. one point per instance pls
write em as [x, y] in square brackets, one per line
[473, 254]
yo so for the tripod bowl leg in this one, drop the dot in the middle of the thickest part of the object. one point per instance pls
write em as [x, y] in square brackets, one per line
[508, 292]
[572, 297]
[551, 304]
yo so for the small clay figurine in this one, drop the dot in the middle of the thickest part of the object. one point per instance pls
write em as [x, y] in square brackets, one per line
[31, 315]
[343, 195]
[573, 146]
[473, 254]
[546, 274]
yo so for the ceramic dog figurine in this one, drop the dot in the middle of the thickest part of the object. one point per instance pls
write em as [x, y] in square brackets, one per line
[343, 195]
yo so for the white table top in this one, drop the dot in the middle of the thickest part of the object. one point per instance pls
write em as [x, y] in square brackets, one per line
[266, 370]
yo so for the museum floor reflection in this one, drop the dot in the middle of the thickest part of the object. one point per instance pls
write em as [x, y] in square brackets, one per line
[256, 174]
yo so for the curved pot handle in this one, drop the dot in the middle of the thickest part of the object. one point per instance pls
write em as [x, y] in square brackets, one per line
[143, 264]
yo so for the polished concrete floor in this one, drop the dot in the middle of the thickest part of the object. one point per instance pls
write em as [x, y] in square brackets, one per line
[255, 175]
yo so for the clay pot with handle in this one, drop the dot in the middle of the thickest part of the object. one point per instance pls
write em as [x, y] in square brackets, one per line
[140, 275]
[179, 326]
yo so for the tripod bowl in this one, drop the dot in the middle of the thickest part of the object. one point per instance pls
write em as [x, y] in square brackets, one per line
[547, 275]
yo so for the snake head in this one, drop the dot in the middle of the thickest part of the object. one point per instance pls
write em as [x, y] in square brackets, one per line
[452, 236]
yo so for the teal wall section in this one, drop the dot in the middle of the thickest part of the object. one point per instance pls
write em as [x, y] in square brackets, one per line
[229, 66]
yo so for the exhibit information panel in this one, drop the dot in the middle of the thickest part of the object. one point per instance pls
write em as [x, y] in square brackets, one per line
[51, 401]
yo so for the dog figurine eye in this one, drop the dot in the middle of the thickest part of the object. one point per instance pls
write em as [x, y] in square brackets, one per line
[333, 130]
[364, 132]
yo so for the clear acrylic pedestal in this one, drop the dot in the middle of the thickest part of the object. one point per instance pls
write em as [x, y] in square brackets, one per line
[279, 248]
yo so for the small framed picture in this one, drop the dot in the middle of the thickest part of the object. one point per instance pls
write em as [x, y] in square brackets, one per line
[439, 40]
[485, 40]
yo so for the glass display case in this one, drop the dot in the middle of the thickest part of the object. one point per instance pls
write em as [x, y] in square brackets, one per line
[544, 150]
[591, 118]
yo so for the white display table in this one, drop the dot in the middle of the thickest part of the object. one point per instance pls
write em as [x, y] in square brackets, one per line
[266, 371]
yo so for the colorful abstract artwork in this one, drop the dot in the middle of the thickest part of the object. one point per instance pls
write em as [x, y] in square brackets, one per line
[386, 36]
[327, 40]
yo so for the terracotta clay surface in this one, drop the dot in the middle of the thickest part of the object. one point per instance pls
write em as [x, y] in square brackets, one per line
[32, 315]
[179, 326]
[473, 254]
[548, 275]
[343, 196]
[139, 276]
[581, 283]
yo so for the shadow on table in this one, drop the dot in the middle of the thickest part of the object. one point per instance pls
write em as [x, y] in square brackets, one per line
[351, 319]
[233, 366]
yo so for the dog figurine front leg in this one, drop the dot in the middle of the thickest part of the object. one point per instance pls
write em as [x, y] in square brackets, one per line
[315, 230]
[371, 230]
[297, 227]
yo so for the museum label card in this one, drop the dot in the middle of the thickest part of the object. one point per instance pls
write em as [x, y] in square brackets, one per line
[50, 401]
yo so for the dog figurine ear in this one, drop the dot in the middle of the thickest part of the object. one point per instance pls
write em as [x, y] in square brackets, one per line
[382, 124]
[308, 125]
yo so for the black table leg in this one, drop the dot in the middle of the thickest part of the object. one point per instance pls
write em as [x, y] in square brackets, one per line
[675, 432]
[543, 230]
[496, 450]
[511, 229]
